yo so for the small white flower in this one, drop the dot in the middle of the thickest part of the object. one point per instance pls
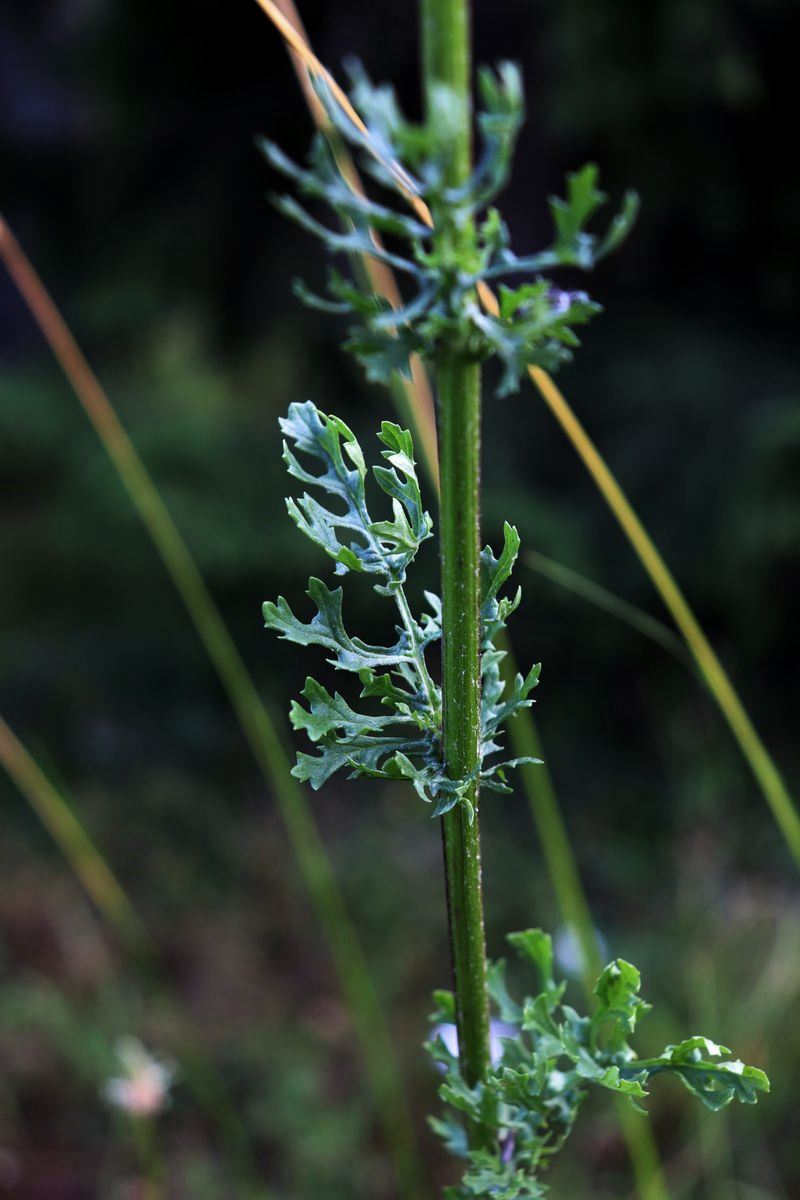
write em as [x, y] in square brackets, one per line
[143, 1088]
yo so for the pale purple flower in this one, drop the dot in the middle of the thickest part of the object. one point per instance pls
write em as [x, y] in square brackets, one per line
[497, 1031]
[507, 1147]
[562, 301]
[568, 952]
[143, 1088]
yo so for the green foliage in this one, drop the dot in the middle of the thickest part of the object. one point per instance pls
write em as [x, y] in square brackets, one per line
[527, 1104]
[509, 1120]
[403, 739]
[536, 323]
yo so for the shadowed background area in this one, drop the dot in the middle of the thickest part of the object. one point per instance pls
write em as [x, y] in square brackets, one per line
[131, 177]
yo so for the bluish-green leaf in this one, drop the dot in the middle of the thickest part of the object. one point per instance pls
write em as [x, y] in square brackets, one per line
[536, 324]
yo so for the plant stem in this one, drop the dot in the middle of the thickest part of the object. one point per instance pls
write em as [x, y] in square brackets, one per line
[459, 398]
[446, 62]
[147, 1151]
[423, 674]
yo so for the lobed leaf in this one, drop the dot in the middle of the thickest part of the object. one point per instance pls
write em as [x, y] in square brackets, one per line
[323, 453]
[550, 1053]
[536, 323]
[715, 1083]
[619, 1003]
[327, 629]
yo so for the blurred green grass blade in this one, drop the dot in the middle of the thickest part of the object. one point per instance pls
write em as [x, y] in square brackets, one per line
[565, 879]
[753, 749]
[639, 620]
[377, 1050]
[648, 1171]
[556, 845]
[714, 1136]
[74, 843]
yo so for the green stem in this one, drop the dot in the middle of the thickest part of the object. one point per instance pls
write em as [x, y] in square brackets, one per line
[446, 54]
[410, 626]
[446, 63]
[459, 398]
[147, 1151]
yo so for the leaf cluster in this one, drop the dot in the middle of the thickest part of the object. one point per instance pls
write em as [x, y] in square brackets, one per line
[536, 321]
[401, 737]
[527, 1105]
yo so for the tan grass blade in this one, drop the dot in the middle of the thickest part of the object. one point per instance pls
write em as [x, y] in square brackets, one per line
[301, 49]
[315, 868]
[417, 397]
[753, 749]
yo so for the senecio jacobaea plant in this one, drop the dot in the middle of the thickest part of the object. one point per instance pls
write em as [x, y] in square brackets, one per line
[526, 1103]
[507, 1113]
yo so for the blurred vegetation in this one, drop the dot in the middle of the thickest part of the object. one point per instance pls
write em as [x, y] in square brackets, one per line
[130, 174]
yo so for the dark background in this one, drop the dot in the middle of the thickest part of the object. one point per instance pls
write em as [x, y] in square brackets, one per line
[129, 173]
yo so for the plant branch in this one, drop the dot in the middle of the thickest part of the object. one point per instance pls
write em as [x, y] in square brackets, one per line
[410, 626]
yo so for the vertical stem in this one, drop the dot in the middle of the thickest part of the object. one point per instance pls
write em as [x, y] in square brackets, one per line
[446, 62]
[459, 398]
[147, 1152]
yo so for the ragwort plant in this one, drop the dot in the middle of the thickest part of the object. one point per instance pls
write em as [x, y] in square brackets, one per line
[507, 1112]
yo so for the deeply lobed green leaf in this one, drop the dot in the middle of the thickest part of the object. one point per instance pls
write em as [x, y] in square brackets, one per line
[528, 1103]
[537, 321]
[403, 739]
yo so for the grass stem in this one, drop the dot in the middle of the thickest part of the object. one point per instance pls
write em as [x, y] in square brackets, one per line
[58, 818]
[609, 602]
[753, 749]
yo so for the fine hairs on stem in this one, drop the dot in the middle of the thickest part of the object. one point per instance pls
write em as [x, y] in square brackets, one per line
[510, 1108]
[446, 67]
